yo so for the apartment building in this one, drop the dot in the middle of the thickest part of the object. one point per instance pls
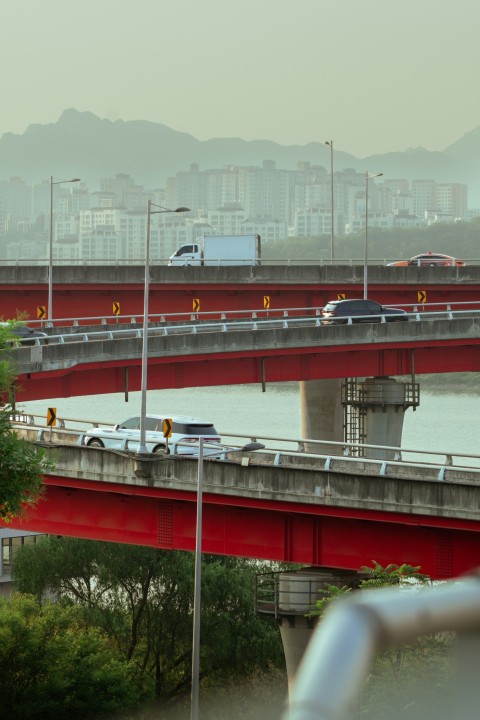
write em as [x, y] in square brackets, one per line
[15, 204]
[110, 223]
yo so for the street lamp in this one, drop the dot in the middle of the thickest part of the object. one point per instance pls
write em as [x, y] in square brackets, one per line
[332, 231]
[197, 593]
[50, 254]
[142, 448]
[365, 253]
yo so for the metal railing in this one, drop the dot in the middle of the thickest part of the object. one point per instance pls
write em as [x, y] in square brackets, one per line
[257, 320]
[414, 310]
[283, 593]
[285, 452]
[89, 262]
[344, 645]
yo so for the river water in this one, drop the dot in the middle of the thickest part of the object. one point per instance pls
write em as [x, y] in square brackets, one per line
[444, 421]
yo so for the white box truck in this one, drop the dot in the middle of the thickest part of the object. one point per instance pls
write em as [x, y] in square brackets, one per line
[220, 250]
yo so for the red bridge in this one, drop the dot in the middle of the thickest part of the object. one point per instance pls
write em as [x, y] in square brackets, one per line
[276, 356]
[302, 511]
[92, 291]
[315, 519]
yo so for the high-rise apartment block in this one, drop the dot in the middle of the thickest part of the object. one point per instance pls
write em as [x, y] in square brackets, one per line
[109, 223]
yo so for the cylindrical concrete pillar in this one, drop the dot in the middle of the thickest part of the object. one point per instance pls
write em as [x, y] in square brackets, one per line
[322, 414]
[384, 403]
[296, 596]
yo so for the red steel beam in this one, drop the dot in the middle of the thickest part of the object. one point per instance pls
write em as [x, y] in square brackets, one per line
[76, 299]
[272, 530]
[279, 365]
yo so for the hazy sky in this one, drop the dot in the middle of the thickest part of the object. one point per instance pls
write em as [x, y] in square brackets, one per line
[373, 75]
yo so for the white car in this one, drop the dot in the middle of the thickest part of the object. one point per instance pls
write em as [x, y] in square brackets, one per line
[126, 435]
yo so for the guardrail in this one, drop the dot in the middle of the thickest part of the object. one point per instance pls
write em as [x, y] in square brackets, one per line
[27, 262]
[344, 645]
[253, 323]
[288, 452]
[415, 309]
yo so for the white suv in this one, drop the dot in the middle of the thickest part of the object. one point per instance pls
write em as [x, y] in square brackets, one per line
[126, 435]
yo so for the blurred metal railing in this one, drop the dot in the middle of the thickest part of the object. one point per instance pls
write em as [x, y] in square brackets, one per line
[341, 652]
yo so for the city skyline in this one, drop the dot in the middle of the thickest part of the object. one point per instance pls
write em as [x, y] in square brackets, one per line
[110, 223]
[363, 74]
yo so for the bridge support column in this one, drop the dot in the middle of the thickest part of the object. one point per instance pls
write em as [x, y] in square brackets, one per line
[321, 414]
[380, 404]
[290, 596]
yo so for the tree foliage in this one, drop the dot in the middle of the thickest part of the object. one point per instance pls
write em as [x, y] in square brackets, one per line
[22, 465]
[459, 239]
[55, 666]
[142, 598]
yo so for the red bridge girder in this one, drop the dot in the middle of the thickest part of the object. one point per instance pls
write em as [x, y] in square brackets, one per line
[75, 300]
[279, 365]
[238, 526]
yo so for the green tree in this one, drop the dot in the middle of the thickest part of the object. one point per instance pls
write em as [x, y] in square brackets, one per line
[459, 239]
[54, 666]
[142, 598]
[22, 465]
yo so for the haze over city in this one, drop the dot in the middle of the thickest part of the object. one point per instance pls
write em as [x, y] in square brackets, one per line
[373, 76]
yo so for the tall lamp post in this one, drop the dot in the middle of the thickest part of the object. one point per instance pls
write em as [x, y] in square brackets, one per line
[197, 593]
[368, 177]
[50, 253]
[332, 214]
[142, 448]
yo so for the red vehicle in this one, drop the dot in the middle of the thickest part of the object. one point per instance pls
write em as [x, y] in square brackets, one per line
[430, 259]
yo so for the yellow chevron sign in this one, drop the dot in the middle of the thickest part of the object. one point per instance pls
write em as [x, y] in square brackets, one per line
[422, 296]
[51, 417]
[167, 427]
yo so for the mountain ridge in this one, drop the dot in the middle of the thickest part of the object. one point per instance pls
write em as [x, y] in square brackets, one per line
[83, 144]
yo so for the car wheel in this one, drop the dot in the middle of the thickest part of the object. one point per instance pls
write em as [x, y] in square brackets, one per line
[161, 450]
[95, 443]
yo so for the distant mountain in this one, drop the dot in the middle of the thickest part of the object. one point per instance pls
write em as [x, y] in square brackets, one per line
[84, 145]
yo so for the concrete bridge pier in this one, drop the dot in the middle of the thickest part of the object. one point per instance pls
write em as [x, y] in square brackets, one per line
[369, 411]
[376, 411]
[385, 411]
[321, 414]
[290, 596]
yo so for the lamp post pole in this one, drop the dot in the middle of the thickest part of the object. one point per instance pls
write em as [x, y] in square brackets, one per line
[142, 447]
[365, 250]
[332, 210]
[197, 592]
[50, 252]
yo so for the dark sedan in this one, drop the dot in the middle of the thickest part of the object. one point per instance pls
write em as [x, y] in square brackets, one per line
[338, 312]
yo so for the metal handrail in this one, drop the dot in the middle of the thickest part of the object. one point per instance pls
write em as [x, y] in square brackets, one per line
[89, 262]
[344, 644]
[287, 313]
[233, 326]
[276, 453]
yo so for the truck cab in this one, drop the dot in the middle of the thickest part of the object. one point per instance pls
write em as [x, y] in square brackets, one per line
[186, 255]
